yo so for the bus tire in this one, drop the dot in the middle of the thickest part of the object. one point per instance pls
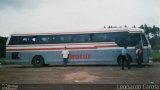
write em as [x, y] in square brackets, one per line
[129, 57]
[119, 60]
[38, 61]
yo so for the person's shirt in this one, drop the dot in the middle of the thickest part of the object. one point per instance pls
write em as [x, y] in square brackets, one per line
[65, 53]
[124, 51]
[137, 50]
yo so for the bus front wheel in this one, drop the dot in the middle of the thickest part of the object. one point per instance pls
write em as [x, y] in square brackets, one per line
[38, 61]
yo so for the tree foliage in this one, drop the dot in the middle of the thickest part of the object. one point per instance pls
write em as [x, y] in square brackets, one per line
[2, 46]
[153, 34]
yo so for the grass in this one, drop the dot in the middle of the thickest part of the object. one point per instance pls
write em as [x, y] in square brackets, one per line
[2, 61]
[156, 56]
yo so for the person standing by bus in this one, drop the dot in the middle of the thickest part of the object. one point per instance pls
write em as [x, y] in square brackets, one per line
[139, 56]
[65, 54]
[124, 58]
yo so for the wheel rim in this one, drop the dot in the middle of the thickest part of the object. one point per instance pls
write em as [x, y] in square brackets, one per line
[38, 61]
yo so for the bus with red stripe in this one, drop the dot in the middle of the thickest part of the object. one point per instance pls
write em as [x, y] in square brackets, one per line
[86, 48]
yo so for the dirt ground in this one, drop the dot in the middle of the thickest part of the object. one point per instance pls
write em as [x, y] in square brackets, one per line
[77, 75]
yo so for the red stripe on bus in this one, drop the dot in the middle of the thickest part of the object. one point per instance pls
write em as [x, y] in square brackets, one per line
[61, 48]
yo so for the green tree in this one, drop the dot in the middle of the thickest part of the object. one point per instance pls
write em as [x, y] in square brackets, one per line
[2, 46]
[155, 31]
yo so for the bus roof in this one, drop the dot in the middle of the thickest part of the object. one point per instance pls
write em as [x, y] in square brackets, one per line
[130, 30]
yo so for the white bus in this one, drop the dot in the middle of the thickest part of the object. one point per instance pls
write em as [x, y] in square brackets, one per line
[89, 47]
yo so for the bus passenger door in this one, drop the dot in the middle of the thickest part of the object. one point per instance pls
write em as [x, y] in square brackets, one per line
[145, 46]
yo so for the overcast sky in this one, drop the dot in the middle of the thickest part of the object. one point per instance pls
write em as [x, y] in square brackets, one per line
[60, 15]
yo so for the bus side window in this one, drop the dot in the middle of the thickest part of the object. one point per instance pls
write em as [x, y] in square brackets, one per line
[98, 37]
[41, 39]
[33, 40]
[57, 39]
[25, 40]
[81, 38]
[65, 38]
[144, 40]
[135, 39]
[118, 38]
[52, 39]
[15, 40]
[44, 40]
[15, 55]
[11, 42]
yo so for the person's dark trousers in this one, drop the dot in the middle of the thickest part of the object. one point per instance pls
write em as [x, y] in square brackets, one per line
[65, 61]
[123, 61]
[139, 61]
[128, 63]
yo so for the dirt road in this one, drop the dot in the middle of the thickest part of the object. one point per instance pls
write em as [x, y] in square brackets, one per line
[148, 74]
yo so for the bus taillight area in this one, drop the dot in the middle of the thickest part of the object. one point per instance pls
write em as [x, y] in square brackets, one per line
[15, 55]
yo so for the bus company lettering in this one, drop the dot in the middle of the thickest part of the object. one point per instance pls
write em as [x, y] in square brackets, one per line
[79, 56]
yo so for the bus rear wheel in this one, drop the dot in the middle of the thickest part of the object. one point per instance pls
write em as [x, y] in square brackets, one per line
[119, 60]
[38, 61]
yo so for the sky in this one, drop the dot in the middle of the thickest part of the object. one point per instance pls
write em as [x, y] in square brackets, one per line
[32, 16]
